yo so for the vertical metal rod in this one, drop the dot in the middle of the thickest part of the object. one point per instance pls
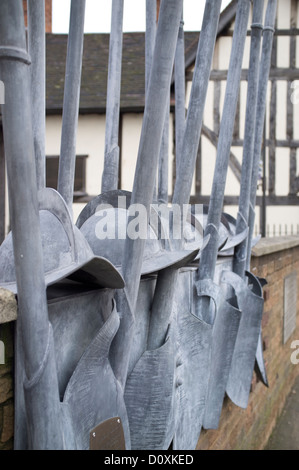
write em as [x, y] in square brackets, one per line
[67, 162]
[2, 188]
[179, 69]
[111, 159]
[261, 109]
[27, 245]
[37, 51]
[263, 207]
[163, 160]
[209, 255]
[194, 118]
[248, 147]
[147, 161]
[167, 279]
[152, 129]
[150, 37]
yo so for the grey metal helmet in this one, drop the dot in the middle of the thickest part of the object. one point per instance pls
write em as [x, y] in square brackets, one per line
[199, 219]
[228, 238]
[66, 253]
[157, 255]
[234, 238]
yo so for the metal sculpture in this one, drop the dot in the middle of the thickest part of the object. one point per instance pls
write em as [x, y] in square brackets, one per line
[37, 51]
[111, 163]
[67, 161]
[214, 403]
[138, 339]
[265, 65]
[43, 412]
[238, 387]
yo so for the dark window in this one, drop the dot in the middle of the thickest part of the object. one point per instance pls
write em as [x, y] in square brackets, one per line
[52, 163]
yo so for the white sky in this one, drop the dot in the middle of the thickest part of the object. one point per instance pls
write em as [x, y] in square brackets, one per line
[98, 15]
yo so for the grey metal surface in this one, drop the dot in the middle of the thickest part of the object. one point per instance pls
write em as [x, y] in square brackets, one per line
[162, 194]
[151, 135]
[150, 36]
[43, 419]
[193, 333]
[194, 118]
[155, 256]
[240, 376]
[43, 415]
[150, 362]
[265, 65]
[115, 198]
[248, 148]
[180, 111]
[151, 16]
[146, 167]
[37, 51]
[83, 325]
[142, 320]
[167, 281]
[225, 230]
[256, 102]
[67, 161]
[224, 335]
[260, 366]
[235, 236]
[149, 397]
[93, 394]
[209, 255]
[193, 355]
[75, 314]
[66, 252]
[111, 162]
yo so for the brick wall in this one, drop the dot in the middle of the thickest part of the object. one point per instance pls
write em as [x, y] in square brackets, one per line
[238, 429]
[48, 14]
[6, 388]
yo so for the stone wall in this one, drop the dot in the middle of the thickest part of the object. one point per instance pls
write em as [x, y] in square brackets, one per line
[6, 387]
[273, 259]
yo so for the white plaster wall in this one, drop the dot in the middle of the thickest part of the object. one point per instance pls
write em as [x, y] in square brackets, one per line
[90, 141]
[131, 131]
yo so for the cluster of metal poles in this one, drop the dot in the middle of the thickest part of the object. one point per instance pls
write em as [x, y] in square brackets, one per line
[229, 341]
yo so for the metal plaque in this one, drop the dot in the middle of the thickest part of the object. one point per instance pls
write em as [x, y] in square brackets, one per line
[108, 435]
[290, 299]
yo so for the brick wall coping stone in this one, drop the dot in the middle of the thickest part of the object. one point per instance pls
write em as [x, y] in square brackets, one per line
[8, 306]
[266, 246]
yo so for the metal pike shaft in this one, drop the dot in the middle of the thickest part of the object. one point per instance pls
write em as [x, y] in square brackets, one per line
[188, 153]
[265, 65]
[67, 162]
[37, 51]
[147, 161]
[248, 148]
[209, 255]
[43, 412]
[111, 161]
